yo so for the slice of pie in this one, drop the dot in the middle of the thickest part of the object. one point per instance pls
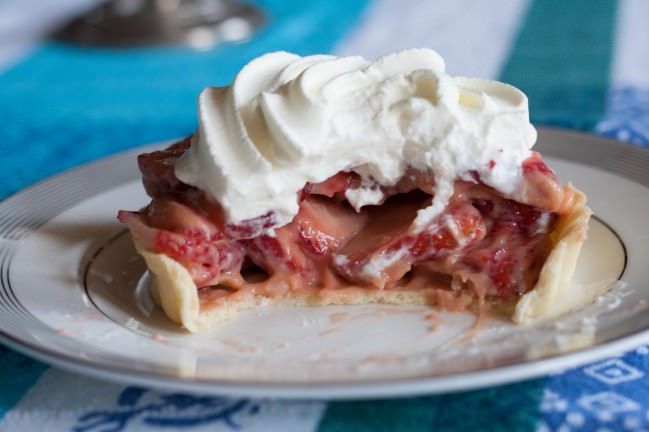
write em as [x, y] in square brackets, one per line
[321, 180]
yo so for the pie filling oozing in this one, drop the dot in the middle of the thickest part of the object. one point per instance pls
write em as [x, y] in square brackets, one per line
[483, 246]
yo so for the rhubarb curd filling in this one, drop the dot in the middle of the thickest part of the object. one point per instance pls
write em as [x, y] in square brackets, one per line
[485, 243]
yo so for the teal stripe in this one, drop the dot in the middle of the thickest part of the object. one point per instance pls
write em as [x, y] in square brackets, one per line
[508, 408]
[562, 60]
[17, 374]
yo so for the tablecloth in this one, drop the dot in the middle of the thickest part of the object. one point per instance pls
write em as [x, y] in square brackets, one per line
[583, 63]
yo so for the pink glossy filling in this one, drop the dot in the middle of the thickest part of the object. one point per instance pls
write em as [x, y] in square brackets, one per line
[484, 243]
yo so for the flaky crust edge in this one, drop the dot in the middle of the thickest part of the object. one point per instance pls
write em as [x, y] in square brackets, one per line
[555, 293]
[174, 290]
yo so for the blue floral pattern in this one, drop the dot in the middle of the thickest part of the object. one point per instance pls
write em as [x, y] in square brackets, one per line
[627, 117]
[608, 395]
[139, 406]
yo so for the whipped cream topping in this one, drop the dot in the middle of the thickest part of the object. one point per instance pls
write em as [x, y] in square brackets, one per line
[288, 120]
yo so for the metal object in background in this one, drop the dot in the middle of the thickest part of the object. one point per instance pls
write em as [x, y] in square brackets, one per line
[200, 23]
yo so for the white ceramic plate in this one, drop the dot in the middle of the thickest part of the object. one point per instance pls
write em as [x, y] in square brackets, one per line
[73, 293]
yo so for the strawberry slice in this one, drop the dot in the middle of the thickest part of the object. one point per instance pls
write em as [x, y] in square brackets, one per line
[251, 228]
[535, 163]
[171, 215]
[511, 263]
[278, 252]
[209, 260]
[376, 255]
[158, 175]
[459, 228]
[386, 249]
[540, 187]
[513, 217]
[505, 270]
[337, 183]
[515, 249]
[324, 226]
[321, 227]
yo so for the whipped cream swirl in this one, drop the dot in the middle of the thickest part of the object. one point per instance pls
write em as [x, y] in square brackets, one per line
[288, 120]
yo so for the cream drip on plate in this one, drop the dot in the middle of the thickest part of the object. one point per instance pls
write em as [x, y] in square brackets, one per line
[288, 120]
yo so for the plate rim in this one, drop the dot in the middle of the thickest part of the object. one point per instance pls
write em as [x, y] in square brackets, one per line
[337, 390]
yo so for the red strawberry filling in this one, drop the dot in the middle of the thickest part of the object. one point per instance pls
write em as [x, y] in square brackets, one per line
[491, 245]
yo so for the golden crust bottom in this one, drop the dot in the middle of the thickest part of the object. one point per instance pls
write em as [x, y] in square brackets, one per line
[173, 289]
[554, 294]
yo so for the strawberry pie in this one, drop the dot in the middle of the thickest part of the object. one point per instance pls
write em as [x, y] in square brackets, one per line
[332, 180]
